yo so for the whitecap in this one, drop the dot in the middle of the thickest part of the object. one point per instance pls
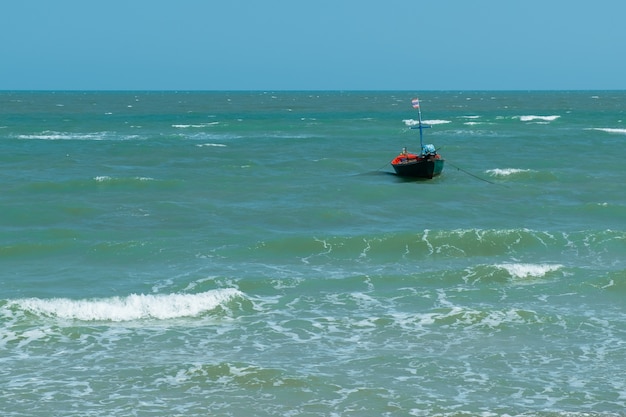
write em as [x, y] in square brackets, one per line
[523, 270]
[197, 126]
[132, 307]
[49, 135]
[609, 130]
[94, 136]
[503, 172]
[217, 145]
[412, 122]
[106, 178]
[532, 118]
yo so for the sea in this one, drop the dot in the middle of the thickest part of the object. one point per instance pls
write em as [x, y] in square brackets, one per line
[252, 253]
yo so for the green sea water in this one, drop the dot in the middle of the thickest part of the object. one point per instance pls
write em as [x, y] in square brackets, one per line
[253, 254]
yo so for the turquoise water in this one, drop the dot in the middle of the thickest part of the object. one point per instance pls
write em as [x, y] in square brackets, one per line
[251, 253]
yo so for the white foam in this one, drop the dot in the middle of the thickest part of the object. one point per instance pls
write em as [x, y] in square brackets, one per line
[217, 145]
[196, 126]
[106, 178]
[521, 270]
[503, 172]
[95, 136]
[532, 118]
[132, 307]
[62, 136]
[610, 130]
[412, 122]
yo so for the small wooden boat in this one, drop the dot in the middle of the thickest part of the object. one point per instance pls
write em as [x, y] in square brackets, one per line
[425, 164]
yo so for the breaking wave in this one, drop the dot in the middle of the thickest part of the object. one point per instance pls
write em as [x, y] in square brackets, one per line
[532, 118]
[522, 270]
[412, 122]
[132, 307]
[197, 126]
[505, 172]
[106, 178]
[610, 130]
[93, 136]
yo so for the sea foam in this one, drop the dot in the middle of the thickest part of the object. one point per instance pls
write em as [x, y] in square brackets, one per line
[215, 145]
[412, 122]
[522, 270]
[199, 125]
[78, 136]
[106, 178]
[132, 307]
[532, 118]
[504, 172]
[610, 130]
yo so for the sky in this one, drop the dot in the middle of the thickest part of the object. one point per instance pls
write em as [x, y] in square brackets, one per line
[274, 45]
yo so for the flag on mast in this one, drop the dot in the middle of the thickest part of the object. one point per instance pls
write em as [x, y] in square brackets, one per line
[416, 103]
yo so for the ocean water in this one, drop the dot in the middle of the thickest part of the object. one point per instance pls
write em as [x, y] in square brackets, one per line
[252, 254]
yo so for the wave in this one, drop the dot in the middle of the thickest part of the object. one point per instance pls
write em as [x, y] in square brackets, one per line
[412, 122]
[522, 270]
[533, 118]
[98, 182]
[106, 178]
[94, 136]
[199, 125]
[523, 245]
[512, 272]
[475, 123]
[217, 145]
[505, 172]
[609, 130]
[469, 318]
[130, 308]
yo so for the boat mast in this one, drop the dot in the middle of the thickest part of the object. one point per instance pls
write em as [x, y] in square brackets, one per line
[420, 126]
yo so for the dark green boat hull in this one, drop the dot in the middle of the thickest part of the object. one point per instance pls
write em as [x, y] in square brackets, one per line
[420, 168]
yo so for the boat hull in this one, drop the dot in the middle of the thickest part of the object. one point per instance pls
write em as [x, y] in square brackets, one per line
[422, 168]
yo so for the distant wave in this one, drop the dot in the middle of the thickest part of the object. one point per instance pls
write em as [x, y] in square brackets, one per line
[63, 136]
[504, 172]
[199, 125]
[412, 122]
[218, 145]
[132, 307]
[95, 136]
[609, 130]
[532, 118]
[473, 120]
[106, 178]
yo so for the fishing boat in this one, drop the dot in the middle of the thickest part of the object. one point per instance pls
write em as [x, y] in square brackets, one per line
[425, 164]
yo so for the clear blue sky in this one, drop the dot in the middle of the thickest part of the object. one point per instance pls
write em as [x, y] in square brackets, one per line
[312, 44]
